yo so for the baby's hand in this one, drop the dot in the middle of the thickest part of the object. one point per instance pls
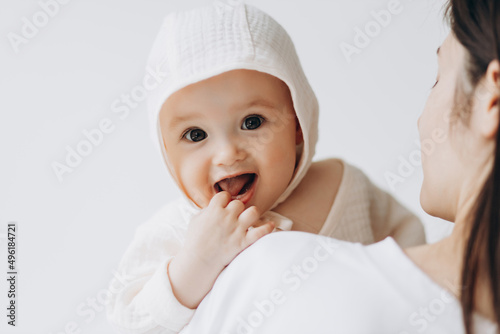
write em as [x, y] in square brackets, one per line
[219, 232]
[214, 237]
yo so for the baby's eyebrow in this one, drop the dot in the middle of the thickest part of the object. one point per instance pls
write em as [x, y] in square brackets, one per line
[254, 103]
[259, 103]
[181, 119]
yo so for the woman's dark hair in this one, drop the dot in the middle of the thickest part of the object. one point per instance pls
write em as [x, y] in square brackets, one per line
[476, 25]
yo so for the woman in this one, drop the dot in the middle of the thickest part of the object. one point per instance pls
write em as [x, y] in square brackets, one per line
[299, 282]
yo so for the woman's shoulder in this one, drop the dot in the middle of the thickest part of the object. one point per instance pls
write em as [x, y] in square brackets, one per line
[385, 258]
[306, 244]
[317, 274]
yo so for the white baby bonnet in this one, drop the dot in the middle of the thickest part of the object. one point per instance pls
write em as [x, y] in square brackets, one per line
[198, 44]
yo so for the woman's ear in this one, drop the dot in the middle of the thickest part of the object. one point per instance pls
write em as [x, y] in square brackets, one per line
[298, 132]
[488, 95]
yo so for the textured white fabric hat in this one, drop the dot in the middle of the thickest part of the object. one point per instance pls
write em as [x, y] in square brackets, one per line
[198, 44]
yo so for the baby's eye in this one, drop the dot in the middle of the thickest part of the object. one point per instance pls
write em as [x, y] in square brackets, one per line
[195, 135]
[252, 122]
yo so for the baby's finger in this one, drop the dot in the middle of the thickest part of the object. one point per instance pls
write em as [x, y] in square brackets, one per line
[258, 232]
[235, 207]
[220, 199]
[248, 217]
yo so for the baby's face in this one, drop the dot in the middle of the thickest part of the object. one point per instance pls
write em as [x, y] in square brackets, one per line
[235, 132]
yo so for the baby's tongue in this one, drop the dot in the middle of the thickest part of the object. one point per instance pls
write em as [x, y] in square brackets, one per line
[234, 185]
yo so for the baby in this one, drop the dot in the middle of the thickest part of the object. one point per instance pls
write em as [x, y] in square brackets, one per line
[236, 124]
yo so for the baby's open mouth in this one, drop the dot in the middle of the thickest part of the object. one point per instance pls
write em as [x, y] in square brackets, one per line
[236, 186]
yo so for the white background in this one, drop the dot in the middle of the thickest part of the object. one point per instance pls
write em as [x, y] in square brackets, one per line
[71, 234]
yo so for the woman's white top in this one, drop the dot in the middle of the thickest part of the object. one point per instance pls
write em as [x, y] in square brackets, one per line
[295, 282]
[142, 300]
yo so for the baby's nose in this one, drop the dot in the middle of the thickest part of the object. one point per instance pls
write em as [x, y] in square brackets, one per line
[228, 151]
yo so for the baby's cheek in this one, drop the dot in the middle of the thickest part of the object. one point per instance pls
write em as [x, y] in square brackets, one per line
[193, 181]
[281, 161]
[287, 150]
